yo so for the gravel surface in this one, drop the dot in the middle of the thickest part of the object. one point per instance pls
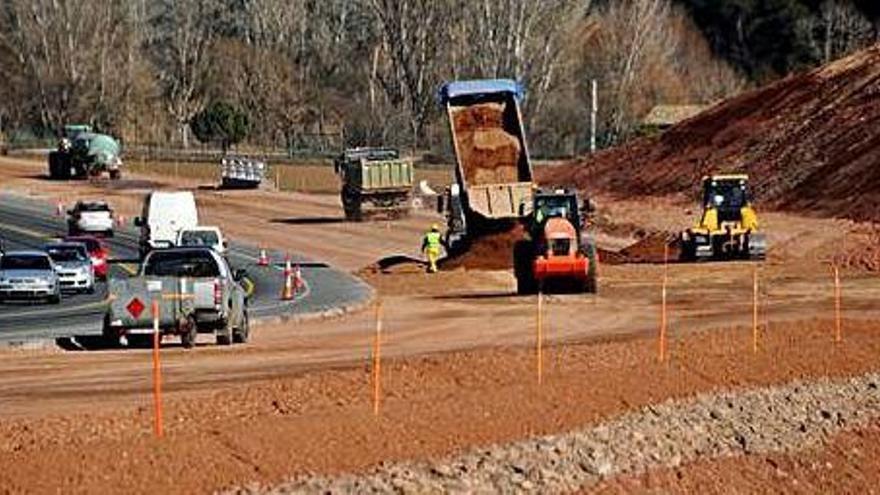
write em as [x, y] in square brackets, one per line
[778, 419]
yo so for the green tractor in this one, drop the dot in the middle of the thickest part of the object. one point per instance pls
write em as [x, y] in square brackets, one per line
[83, 153]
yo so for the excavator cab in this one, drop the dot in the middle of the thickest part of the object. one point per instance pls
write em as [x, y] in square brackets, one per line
[728, 226]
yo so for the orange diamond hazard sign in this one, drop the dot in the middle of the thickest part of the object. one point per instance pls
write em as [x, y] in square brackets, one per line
[135, 307]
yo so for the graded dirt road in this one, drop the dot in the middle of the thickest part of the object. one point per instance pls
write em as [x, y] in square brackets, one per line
[456, 310]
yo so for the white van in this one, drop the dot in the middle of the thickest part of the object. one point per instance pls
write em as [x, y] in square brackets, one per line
[164, 215]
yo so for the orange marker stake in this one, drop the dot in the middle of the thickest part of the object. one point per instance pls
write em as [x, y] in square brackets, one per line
[539, 341]
[838, 332]
[377, 360]
[157, 374]
[663, 316]
[755, 310]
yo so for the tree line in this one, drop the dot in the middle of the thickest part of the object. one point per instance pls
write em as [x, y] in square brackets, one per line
[367, 71]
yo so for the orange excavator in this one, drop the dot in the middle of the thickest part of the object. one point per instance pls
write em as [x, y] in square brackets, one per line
[556, 255]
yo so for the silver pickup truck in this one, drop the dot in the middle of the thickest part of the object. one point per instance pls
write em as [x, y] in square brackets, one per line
[196, 292]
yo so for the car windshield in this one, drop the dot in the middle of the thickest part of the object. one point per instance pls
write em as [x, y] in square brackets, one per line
[91, 244]
[199, 238]
[91, 207]
[66, 253]
[24, 262]
[195, 263]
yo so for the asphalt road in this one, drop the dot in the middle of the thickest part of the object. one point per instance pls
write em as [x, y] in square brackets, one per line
[26, 223]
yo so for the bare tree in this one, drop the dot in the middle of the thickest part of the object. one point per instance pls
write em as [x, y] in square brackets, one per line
[67, 49]
[410, 55]
[184, 31]
[520, 39]
[837, 30]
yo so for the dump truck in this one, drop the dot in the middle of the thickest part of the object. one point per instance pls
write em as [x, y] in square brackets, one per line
[728, 226]
[83, 153]
[493, 173]
[375, 181]
[556, 254]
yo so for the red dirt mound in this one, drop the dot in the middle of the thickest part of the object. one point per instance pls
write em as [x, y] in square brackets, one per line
[489, 252]
[811, 143]
[651, 249]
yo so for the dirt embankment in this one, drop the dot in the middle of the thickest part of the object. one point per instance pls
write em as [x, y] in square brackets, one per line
[322, 422]
[810, 142]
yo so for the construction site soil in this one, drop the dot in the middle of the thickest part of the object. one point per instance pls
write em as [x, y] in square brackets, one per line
[460, 361]
[810, 143]
[849, 463]
[321, 421]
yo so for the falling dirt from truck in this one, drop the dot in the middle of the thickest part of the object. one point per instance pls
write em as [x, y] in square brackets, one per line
[488, 153]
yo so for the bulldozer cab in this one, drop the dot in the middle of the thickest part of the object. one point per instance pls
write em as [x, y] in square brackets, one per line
[727, 194]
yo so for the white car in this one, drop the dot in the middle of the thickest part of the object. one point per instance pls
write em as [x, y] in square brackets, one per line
[205, 236]
[73, 266]
[90, 217]
[29, 275]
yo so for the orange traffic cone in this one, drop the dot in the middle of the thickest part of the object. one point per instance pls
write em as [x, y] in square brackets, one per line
[297, 278]
[287, 269]
[287, 291]
[264, 259]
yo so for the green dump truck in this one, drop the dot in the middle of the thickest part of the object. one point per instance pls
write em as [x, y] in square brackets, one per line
[83, 153]
[375, 181]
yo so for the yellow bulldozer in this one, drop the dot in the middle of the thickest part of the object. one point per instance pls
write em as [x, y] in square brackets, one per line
[728, 227]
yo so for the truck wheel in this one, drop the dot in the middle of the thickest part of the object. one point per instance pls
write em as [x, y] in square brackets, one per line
[111, 338]
[590, 285]
[115, 175]
[522, 268]
[139, 341]
[53, 165]
[189, 333]
[241, 335]
[351, 204]
[224, 335]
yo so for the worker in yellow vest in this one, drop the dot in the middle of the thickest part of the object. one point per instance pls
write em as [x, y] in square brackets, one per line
[431, 245]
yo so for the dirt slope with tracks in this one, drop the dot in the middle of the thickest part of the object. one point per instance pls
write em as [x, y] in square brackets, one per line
[811, 143]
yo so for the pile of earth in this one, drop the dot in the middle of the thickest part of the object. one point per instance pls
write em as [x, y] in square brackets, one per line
[655, 247]
[488, 252]
[810, 143]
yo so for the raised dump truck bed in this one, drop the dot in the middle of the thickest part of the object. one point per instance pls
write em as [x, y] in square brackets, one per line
[493, 171]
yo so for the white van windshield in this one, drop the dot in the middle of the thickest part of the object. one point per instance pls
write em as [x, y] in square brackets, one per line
[199, 238]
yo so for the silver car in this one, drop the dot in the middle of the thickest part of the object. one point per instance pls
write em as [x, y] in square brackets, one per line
[74, 267]
[28, 275]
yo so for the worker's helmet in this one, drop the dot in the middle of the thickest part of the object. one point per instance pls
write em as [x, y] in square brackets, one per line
[435, 228]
